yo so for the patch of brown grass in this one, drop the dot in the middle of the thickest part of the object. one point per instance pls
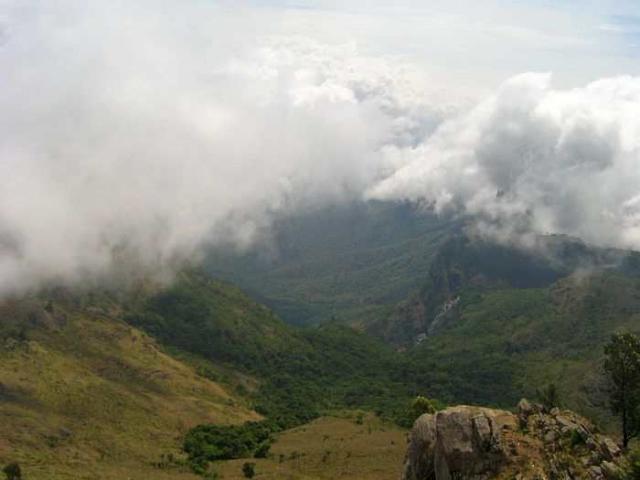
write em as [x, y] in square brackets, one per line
[95, 398]
[334, 447]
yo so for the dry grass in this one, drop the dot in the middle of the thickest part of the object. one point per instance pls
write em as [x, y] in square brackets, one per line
[334, 447]
[93, 398]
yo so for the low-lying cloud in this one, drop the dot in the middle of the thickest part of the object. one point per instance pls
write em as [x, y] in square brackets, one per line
[133, 136]
[534, 159]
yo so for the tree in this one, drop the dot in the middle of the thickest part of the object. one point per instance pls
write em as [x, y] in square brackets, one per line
[622, 364]
[249, 469]
[419, 406]
[12, 471]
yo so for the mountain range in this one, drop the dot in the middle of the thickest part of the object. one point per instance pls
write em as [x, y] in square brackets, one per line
[345, 316]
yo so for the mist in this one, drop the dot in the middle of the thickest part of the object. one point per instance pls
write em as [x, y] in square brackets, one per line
[135, 135]
[531, 158]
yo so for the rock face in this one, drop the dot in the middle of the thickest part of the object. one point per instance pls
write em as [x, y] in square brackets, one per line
[477, 443]
[459, 442]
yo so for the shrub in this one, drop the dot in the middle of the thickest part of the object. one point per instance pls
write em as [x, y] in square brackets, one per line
[13, 471]
[208, 443]
[249, 469]
[632, 472]
[263, 450]
[576, 438]
[418, 406]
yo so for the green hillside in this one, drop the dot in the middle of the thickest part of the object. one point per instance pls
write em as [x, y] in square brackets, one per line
[464, 264]
[506, 343]
[108, 384]
[352, 263]
[302, 371]
[84, 395]
[507, 336]
[493, 324]
[103, 384]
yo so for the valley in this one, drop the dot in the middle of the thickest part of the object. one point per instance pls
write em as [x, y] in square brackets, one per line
[95, 383]
[348, 263]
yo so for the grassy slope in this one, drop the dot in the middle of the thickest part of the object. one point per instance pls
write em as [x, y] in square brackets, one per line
[84, 395]
[81, 391]
[329, 448]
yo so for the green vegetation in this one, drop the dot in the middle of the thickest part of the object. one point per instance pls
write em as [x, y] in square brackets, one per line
[633, 468]
[208, 443]
[248, 469]
[515, 340]
[12, 471]
[85, 381]
[84, 395]
[419, 406]
[515, 323]
[622, 364]
[346, 263]
[302, 372]
[328, 448]
[80, 375]
[520, 321]
[518, 340]
[549, 396]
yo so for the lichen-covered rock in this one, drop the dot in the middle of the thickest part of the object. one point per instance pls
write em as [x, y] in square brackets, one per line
[459, 442]
[477, 443]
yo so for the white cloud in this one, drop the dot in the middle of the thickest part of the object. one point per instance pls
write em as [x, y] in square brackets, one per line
[532, 158]
[130, 134]
[134, 133]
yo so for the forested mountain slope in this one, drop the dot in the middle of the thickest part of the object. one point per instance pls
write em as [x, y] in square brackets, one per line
[468, 264]
[352, 263]
[105, 382]
[494, 323]
[301, 371]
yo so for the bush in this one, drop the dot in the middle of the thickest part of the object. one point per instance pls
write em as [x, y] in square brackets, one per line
[207, 443]
[263, 450]
[632, 471]
[576, 438]
[249, 470]
[13, 471]
[418, 406]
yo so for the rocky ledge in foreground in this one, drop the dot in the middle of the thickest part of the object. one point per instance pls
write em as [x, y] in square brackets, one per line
[480, 444]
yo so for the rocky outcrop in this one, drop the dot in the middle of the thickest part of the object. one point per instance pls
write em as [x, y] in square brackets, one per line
[477, 443]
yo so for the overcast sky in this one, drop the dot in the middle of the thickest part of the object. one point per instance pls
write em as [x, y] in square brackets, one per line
[478, 43]
[135, 133]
